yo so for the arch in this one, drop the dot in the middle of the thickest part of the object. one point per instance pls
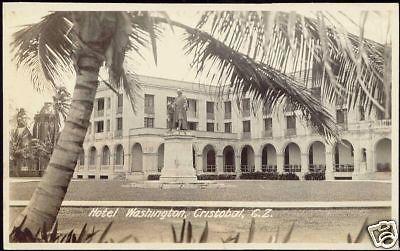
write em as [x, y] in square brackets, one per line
[247, 159]
[229, 159]
[92, 156]
[105, 156]
[119, 155]
[343, 156]
[160, 157]
[383, 155]
[137, 158]
[209, 162]
[268, 158]
[292, 158]
[316, 157]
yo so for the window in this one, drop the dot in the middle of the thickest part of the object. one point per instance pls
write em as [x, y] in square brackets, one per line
[246, 107]
[108, 125]
[99, 126]
[228, 110]
[316, 92]
[192, 108]
[361, 113]
[108, 103]
[148, 122]
[246, 126]
[119, 123]
[120, 100]
[291, 122]
[228, 127]
[210, 110]
[210, 127]
[268, 124]
[149, 104]
[192, 126]
[100, 104]
[341, 116]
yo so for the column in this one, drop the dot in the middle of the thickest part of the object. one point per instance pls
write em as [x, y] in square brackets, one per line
[220, 163]
[329, 173]
[304, 165]
[237, 166]
[199, 164]
[98, 164]
[279, 162]
[356, 160]
[257, 162]
[370, 160]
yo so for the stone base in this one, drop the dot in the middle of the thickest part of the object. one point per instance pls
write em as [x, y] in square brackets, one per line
[178, 159]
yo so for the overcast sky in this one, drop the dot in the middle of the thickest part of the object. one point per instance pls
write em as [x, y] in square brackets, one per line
[172, 63]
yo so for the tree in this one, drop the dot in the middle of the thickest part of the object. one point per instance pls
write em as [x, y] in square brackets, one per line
[83, 42]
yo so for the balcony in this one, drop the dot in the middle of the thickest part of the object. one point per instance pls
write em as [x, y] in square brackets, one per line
[382, 123]
[161, 132]
[227, 115]
[99, 113]
[344, 168]
[247, 168]
[210, 115]
[267, 134]
[229, 168]
[269, 168]
[313, 168]
[209, 169]
[291, 168]
[290, 132]
[119, 109]
[246, 135]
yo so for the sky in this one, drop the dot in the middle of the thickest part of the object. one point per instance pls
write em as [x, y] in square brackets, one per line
[172, 62]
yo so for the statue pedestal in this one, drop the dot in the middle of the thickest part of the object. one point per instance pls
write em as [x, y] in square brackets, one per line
[178, 158]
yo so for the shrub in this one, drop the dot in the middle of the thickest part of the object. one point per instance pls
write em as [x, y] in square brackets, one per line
[288, 176]
[227, 176]
[153, 177]
[259, 176]
[207, 177]
[314, 176]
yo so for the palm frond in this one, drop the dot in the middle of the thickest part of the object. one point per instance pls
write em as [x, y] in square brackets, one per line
[261, 82]
[322, 55]
[45, 48]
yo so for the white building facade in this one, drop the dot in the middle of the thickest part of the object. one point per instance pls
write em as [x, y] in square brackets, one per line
[230, 138]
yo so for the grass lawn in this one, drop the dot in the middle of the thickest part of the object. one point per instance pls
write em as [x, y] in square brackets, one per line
[241, 190]
[311, 225]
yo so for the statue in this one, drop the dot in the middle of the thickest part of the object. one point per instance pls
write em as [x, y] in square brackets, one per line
[180, 106]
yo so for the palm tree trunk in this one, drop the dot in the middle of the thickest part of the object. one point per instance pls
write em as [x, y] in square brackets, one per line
[48, 196]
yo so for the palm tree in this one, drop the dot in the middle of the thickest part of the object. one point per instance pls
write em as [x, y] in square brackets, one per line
[83, 42]
[61, 104]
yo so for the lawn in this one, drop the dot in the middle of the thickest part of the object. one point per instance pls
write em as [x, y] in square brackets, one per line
[233, 191]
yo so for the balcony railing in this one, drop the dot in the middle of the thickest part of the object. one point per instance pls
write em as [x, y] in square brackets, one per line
[119, 109]
[99, 113]
[344, 168]
[229, 168]
[246, 135]
[247, 169]
[382, 123]
[227, 115]
[269, 168]
[267, 134]
[313, 168]
[291, 168]
[210, 115]
[290, 132]
[210, 169]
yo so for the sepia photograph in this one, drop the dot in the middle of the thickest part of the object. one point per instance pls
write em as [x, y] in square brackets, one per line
[200, 126]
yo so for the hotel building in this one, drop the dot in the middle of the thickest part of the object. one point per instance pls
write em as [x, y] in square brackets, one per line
[230, 137]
